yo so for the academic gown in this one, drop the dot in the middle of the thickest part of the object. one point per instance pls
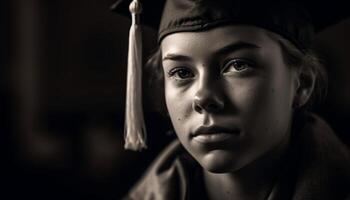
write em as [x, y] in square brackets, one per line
[317, 168]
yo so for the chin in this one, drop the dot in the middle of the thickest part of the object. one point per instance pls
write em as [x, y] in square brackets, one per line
[220, 161]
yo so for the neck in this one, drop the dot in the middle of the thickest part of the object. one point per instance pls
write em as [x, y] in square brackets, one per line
[254, 181]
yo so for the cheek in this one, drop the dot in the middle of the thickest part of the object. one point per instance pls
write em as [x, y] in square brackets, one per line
[262, 96]
[249, 97]
[265, 106]
[178, 104]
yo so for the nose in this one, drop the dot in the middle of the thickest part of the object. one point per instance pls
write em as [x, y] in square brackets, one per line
[208, 98]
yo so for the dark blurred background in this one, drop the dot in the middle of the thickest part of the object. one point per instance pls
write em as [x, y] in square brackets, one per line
[62, 91]
[62, 81]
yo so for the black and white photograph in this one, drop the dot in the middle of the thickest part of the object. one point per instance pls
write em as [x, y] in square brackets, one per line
[175, 99]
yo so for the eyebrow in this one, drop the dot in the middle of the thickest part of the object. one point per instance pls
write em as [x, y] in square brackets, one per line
[240, 45]
[177, 57]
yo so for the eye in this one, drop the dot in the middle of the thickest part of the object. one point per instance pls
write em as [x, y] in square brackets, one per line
[181, 73]
[238, 66]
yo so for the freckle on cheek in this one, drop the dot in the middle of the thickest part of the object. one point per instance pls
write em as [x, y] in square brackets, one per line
[179, 119]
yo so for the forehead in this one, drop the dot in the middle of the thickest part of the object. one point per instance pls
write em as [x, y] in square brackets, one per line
[213, 40]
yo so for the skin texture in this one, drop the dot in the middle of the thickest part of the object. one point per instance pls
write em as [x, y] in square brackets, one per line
[230, 80]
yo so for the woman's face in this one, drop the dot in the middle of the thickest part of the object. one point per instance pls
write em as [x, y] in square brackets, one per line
[229, 94]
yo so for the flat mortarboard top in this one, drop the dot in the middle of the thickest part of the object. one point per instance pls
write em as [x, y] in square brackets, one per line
[295, 19]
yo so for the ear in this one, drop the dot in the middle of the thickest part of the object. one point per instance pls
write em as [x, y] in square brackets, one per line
[305, 83]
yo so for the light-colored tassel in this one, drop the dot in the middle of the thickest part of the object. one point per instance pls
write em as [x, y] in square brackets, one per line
[135, 131]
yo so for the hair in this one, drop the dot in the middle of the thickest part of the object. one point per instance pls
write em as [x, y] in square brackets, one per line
[292, 56]
[155, 81]
[307, 58]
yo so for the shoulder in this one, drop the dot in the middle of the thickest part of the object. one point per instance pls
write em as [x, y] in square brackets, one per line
[318, 140]
[324, 161]
[165, 178]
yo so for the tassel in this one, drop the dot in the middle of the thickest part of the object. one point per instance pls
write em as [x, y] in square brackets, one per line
[134, 130]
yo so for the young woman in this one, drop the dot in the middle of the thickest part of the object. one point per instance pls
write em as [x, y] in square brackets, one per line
[238, 80]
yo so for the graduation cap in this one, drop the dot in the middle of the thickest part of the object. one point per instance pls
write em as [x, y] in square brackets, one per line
[295, 20]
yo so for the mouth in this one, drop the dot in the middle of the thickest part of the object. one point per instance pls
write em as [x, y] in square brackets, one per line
[214, 134]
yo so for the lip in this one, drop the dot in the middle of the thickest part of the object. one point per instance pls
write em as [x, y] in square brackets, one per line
[212, 134]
